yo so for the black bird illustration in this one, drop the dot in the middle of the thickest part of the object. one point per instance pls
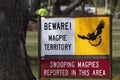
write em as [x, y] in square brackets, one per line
[94, 35]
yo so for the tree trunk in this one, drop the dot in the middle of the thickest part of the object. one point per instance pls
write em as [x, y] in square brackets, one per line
[56, 7]
[72, 6]
[113, 4]
[34, 6]
[14, 63]
[117, 10]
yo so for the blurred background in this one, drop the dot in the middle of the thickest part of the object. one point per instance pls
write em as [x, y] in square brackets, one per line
[74, 8]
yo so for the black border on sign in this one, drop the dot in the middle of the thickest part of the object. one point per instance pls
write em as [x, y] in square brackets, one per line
[111, 45]
[39, 48]
[39, 43]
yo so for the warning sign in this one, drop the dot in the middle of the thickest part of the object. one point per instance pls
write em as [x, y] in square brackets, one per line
[75, 36]
[75, 47]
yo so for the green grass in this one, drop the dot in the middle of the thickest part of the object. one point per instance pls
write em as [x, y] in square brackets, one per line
[32, 43]
[34, 66]
[116, 68]
[116, 38]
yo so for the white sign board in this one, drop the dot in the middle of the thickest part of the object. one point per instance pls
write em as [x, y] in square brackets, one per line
[57, 36]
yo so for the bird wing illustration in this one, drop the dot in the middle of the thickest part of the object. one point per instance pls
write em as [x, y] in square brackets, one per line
[83, 37]
[99, 28]
[93, 36]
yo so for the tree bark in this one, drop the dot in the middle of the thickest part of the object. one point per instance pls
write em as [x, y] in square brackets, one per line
[56, 7]
[117, 10]
[34, 6]
[14, 64]
[72, 6]
[113, 4]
